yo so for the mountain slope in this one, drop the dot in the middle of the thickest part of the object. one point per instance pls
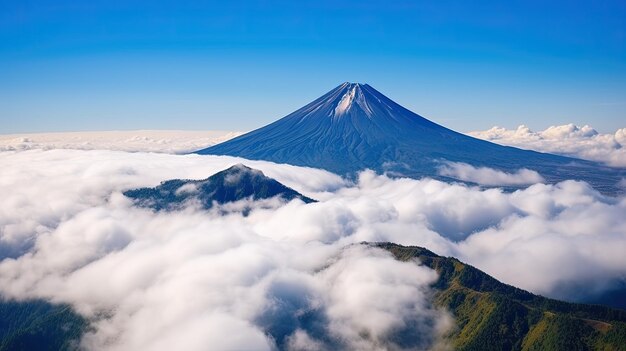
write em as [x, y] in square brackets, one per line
[354, 127]
[233, 184]
[494, 316]
[39, 325]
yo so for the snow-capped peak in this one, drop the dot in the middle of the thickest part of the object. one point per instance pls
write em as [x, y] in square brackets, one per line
[346, 101]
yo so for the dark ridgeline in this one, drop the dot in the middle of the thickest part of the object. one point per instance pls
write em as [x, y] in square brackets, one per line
[233, 184]
[354, 127]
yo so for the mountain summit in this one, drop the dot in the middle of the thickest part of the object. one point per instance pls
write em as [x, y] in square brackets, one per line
[236, 183]
[354, 127]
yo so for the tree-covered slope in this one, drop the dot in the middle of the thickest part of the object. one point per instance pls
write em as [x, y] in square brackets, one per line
[491, 315]
[39, 325]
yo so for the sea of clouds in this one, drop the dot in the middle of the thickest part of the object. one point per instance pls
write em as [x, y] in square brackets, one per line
[289, 275]
[283, 276]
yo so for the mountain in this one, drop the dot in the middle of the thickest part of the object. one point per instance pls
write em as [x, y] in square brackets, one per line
[233, 184]
[490, 315]
[354, 127]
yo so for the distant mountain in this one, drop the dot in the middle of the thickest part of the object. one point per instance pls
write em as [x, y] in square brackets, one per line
[354, 127]
[488, 315]
[233, 184]
[491, 315]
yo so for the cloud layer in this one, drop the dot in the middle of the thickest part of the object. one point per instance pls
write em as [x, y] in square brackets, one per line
[287, 275]
[569, 140]
[488, 176]
[157, 281]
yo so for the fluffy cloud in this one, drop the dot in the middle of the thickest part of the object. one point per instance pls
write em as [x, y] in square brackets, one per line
[488, 176]
[570, 140]
[191, 278]
[153, 280]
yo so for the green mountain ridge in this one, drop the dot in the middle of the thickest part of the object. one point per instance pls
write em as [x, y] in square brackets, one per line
[491, 315]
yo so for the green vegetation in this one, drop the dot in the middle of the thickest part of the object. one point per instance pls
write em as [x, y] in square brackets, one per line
[39, 325]
[491, 315]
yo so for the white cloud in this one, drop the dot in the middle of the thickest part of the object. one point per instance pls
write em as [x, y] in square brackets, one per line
[155, 278]
[364, 280]
[488, 176]
[569, 140]
[188, 188]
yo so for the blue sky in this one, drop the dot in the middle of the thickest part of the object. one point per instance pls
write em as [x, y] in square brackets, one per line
[113, 65]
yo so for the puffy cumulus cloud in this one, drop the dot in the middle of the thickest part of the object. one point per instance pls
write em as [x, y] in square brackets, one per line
[363, 300]
[167, 141]
[570, 140]
[488, 176]
[287, 275]
[364, 281]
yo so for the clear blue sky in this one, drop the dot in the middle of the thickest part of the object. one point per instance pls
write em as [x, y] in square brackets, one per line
[110, 65]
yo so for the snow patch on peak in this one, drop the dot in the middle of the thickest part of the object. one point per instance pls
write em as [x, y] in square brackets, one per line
[354, 94]
[362, 102]
[346, 102]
